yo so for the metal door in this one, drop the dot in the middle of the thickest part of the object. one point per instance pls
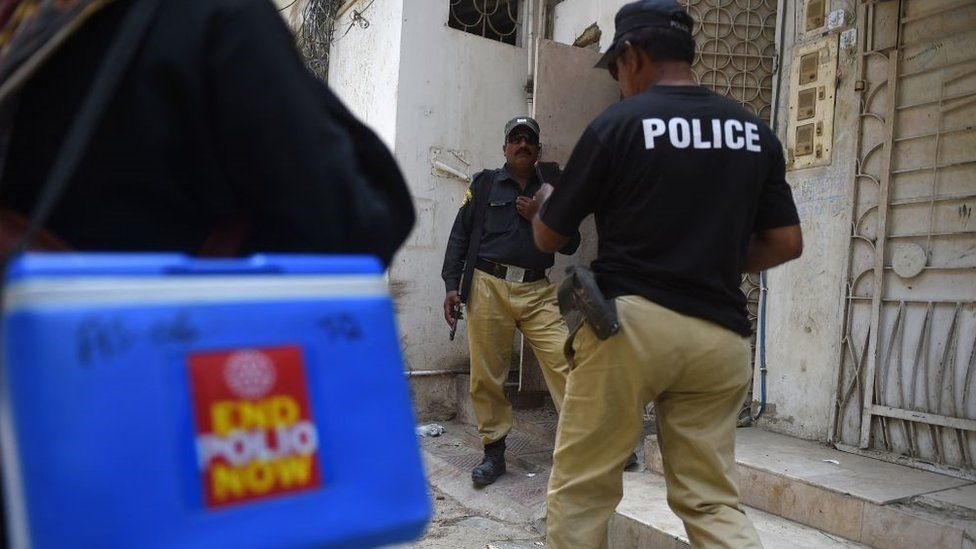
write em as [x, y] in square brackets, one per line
[567, 94]
[905, 387]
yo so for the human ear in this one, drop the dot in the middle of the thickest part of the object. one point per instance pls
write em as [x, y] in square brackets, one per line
[633, 56]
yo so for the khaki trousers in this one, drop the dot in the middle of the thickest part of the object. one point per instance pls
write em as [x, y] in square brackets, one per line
[698, 373]
[495, 308]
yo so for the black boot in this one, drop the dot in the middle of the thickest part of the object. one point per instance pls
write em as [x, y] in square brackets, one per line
[492, 466]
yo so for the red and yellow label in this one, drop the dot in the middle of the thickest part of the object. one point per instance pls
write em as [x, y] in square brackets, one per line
[255, 434]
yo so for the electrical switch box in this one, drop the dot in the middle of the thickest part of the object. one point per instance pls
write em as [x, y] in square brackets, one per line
[809, 65]
[806, 104]
[815, 15]
[804, 140]
[812, 88]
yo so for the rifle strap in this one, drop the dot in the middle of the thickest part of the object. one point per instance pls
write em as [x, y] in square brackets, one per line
[474, 240]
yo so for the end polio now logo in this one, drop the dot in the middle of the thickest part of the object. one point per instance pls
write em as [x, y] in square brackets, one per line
[255, 434]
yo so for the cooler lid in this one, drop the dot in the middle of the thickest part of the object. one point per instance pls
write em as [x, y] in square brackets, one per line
[154, 264]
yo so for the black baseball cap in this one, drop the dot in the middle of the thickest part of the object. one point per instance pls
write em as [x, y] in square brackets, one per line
[522, 122]
[665, 14]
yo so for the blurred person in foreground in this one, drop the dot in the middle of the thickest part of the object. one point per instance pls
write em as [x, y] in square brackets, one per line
[689, 192]
[217, 139]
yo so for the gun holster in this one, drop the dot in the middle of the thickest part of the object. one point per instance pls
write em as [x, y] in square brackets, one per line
[580, 300]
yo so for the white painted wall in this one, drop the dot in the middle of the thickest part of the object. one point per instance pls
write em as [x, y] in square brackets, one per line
[456, 91]
[428, 90]
[572, 17]
[364, 64]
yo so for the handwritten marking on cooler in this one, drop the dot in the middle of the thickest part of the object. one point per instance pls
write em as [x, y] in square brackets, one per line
[255, 435]
[102, 339]
[342, 326]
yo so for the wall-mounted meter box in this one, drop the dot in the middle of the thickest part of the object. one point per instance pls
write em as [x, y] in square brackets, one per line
[814, 17]
[813, 84]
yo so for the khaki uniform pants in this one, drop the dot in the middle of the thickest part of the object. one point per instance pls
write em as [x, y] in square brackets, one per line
[496, 307]
[697, 372]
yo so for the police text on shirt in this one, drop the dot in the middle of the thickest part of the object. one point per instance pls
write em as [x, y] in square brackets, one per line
[682, 133]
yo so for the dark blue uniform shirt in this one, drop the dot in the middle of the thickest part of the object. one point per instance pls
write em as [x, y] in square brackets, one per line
[507, 236]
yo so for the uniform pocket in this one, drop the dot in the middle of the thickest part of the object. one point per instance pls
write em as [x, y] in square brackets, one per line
[500, 217]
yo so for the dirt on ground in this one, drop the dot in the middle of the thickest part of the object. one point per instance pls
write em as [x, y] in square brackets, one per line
[455, 526]
[509, 514]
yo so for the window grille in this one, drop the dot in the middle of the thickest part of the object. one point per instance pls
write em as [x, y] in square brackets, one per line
[493, 19]
[736, 49]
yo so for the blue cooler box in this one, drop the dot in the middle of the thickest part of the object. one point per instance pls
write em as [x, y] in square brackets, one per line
[163, 401]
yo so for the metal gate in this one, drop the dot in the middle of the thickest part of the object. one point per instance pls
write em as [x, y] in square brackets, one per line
[736, 57]
[905, 386]
[736, 43]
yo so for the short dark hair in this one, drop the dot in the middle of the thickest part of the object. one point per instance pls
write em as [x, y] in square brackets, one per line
[661, 44]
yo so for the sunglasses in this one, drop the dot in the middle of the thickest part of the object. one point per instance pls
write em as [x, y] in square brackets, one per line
[517, 138]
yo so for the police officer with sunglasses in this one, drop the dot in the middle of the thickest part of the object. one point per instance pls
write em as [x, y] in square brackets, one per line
[493, 267]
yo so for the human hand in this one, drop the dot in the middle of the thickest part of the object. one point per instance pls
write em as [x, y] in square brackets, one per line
[542, 194]
[526, 207]
[450, 301]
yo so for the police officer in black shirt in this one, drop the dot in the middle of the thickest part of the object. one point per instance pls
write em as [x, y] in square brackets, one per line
[504, 287]
[689, 191]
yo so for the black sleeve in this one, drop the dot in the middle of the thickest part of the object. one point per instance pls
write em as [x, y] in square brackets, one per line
[551, 173]
[580, 187]
[384, 209]
[457, 243]
[776, 207]
[573, 244]
[290, 149]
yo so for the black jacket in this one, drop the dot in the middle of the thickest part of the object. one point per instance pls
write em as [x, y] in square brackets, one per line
[217, 117]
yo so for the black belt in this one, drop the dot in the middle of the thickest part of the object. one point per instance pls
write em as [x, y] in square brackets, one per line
[512, 274]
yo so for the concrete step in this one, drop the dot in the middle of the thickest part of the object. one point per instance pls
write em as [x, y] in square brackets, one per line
[643, 520]
[880, 504]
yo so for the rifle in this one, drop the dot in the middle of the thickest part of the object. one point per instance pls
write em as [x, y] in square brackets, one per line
[456, 315]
